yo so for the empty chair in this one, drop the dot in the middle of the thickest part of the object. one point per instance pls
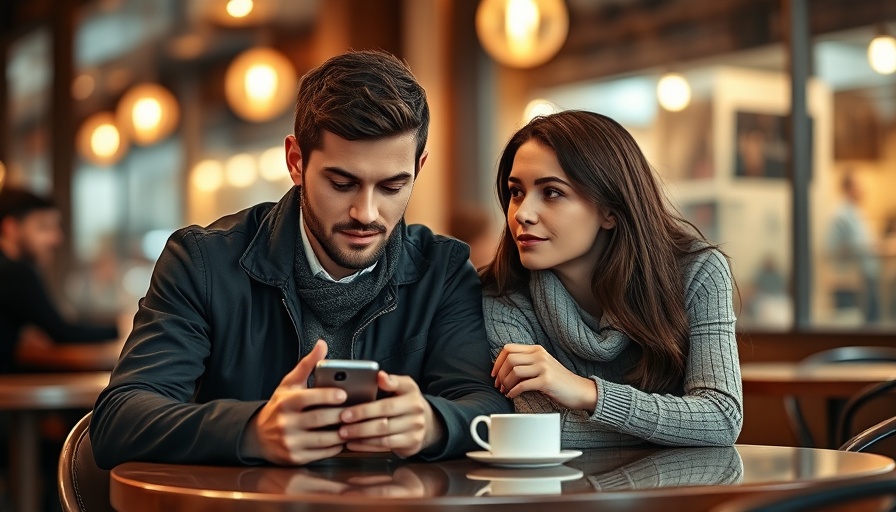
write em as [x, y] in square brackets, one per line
[832, 356]
[858, 402]
[871, 436]
[83, 487]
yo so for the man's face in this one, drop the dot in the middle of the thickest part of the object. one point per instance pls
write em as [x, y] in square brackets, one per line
[354, 193]
[36, 235]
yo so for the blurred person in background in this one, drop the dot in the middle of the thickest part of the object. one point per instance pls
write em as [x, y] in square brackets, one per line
[30, 234]
[853, 249]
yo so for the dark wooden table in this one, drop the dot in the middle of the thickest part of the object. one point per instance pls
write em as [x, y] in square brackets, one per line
[602, 479]
[23, 397]
[71, 357]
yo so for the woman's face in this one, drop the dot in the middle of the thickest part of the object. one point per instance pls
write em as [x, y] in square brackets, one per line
[553, 225]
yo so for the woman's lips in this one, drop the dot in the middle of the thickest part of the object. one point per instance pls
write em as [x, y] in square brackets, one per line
[526, 240]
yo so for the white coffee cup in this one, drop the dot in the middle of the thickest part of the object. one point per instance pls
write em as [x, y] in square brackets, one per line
[520, 435]
[521, 487]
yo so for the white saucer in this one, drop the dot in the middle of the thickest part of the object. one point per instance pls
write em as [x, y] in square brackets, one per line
[524, 462]
[497, 474]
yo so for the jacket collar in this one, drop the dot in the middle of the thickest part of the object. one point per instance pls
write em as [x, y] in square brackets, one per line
[270, 257]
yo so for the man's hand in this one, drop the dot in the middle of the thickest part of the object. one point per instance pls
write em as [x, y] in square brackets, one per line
[521, 368]
[403, 423]
[283, 431]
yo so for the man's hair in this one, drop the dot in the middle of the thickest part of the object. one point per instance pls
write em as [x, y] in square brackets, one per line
[18, 203]
[359, 96]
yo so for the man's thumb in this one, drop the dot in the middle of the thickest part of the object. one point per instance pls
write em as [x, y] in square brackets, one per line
[298, 376]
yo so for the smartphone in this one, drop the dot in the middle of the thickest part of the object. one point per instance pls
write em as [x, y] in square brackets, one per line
[357, 378]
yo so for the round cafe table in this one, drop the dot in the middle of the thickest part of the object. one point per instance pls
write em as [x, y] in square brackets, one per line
[601, 479]
[23, 397]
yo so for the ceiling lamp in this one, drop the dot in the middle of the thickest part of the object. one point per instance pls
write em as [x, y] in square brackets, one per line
[260, 84]
[272, 164]
[207, 176]
[882, 52]
[148, 113]
[239, 8]
[538, 107]
[99, 140]
[522, 33]
[673, 92]
[241, 170]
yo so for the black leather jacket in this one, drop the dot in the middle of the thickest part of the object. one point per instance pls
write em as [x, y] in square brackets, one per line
[217, 331]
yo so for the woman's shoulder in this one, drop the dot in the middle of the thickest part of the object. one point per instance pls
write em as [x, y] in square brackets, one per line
[707, 264]
[514, 303]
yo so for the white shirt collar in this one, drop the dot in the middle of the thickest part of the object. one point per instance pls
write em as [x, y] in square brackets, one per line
[317, 270]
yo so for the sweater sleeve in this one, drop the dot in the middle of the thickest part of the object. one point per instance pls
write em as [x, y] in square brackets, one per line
[711, 411]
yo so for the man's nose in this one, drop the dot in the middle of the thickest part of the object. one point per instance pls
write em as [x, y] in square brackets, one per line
[364, 208]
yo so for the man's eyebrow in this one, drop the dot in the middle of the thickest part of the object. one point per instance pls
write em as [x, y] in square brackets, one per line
[345, 174]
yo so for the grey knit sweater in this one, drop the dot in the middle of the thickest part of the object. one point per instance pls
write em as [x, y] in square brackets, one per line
[707, 409]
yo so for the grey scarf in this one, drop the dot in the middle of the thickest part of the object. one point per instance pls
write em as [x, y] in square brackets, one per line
[327, 307]
[568, 325]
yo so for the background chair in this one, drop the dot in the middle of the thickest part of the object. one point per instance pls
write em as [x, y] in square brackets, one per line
[83, 487]
[836, 355]
[870, 437]
[858, 402]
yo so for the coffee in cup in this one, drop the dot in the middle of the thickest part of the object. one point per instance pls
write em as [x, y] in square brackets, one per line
[520, 435]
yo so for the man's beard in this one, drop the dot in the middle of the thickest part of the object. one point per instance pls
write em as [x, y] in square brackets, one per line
[345, 259]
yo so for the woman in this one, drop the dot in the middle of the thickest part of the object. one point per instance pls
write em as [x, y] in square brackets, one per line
[602, 304]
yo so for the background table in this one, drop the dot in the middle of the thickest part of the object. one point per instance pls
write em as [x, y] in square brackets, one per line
[604, 479]
[24, 396]
[837, 380]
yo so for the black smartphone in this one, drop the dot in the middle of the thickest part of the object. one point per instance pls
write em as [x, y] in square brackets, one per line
[357, 378]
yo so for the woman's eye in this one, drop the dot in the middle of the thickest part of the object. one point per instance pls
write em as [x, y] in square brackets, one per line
[515, 192]
[552, 193]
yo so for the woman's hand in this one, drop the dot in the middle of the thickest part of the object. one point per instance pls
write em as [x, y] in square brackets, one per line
[521, 368]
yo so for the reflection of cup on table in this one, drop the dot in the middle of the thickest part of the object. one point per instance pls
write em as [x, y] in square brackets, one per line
[516, 482]
[519, 435]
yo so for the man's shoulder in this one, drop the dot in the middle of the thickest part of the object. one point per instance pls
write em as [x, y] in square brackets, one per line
[435, 247]
[239, 228]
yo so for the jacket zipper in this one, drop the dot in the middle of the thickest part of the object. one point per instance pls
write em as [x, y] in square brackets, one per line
[294, 325]
[367, 322]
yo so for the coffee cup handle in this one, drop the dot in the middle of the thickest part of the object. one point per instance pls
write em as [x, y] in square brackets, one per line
[476, 421]
[486, 489]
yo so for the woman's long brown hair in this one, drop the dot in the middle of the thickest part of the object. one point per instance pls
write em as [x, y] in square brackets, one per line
[638, 279]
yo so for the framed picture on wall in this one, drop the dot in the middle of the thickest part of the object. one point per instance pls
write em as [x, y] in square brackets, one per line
[761, 146]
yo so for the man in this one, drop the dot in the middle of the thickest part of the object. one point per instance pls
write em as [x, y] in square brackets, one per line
[209, 373]
[29, 235]
[853, 248]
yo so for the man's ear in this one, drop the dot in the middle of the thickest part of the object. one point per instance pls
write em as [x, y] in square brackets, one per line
[293, 159]
[421, 162]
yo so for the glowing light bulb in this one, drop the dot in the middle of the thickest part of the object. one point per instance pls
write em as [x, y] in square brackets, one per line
[537, 107]
[882, 54]
[271, 164]
[240, 170]
[207, 175]
[261, 83]
[147, 114]
[105, 140]
[673, 92]
[239, 8]
[521, 28]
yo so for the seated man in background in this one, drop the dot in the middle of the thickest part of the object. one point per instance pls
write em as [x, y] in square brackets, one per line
[29, 235]
[209, 373]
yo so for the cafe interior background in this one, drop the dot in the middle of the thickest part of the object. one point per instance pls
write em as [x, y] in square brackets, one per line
[142, 116]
